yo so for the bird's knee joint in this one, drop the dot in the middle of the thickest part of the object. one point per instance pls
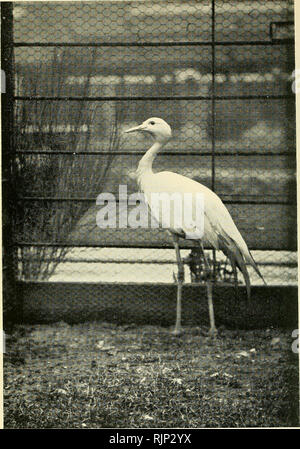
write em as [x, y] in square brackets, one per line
[180, 276]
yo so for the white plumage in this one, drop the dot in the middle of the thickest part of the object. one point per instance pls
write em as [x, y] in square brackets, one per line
[220, 231]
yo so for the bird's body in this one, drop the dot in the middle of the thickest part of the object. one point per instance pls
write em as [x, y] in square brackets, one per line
[218, 230]
[216, 216]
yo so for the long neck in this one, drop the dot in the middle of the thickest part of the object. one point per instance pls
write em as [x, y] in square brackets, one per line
[145, 164]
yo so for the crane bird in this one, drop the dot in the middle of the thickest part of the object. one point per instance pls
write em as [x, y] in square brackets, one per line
[219, 231]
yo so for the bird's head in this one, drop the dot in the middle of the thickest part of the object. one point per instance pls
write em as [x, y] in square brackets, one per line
[157, 127]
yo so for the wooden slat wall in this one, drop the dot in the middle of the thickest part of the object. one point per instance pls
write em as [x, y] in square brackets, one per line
[156, 304]
[263, 227]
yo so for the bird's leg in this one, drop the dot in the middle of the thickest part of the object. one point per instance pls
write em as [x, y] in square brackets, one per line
[180, 280]
[235, 278]
[213, 330]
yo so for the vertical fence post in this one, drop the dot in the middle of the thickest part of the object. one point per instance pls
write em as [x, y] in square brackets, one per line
[213, 112]
[10, 309]
[213, 101]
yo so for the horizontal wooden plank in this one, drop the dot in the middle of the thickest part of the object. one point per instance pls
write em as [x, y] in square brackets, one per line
[263, 227]
[115, 60]
[45, 302]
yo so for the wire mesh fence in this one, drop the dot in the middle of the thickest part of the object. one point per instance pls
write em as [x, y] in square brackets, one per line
[219, 72]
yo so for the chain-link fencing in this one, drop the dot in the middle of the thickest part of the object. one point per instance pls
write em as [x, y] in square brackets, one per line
[219, 72]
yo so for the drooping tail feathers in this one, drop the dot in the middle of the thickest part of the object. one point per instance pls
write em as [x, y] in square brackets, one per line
[236, 257]
[253, 264]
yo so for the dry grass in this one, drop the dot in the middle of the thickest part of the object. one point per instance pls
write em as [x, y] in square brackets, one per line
[103, 375]
[56, 175]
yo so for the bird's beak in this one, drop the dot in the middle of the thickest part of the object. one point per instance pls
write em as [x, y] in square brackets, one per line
[136, 128]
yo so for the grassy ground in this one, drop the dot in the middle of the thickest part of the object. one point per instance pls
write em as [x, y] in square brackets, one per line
[104, 375]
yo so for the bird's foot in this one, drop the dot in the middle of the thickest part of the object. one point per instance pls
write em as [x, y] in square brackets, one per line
[213, 332]
[177, 331]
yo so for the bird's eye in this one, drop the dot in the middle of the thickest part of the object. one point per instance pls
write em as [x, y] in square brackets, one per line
[152, 123]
